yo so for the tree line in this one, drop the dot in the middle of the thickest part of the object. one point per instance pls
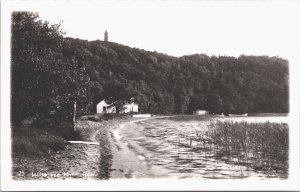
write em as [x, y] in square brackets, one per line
[50, 73]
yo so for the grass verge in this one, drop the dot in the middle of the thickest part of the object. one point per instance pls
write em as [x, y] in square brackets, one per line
[34, 142]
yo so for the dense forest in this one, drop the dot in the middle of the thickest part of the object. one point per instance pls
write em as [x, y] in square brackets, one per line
[50, 73]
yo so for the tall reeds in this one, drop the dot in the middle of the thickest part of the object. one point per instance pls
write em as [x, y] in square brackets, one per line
[261, 146]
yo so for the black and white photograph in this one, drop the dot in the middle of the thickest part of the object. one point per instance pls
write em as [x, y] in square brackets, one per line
[150, 95]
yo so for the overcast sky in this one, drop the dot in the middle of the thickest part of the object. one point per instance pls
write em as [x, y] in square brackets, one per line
[183, 27]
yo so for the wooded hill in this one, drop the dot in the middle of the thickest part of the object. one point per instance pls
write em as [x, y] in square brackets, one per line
[49, 72]
[165, 84]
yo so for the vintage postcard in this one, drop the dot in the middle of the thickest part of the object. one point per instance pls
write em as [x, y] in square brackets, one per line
[150, 95]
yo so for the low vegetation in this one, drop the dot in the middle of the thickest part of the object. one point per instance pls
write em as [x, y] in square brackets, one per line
[104, 117]
[44, 139]
[263, 146]
[31, 142]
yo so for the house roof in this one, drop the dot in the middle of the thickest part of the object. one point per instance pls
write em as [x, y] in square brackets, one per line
[112, 104]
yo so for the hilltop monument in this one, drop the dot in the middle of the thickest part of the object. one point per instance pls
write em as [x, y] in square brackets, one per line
[105, 36]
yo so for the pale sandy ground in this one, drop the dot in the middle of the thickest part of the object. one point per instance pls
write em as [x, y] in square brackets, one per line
[128, 163]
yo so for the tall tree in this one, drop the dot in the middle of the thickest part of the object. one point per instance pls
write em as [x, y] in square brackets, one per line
[43, 79]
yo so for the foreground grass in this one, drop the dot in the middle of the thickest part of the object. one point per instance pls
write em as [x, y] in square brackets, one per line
[31, 141]
[34, 142]
[45, 150]
[104, 117]
[263, 146]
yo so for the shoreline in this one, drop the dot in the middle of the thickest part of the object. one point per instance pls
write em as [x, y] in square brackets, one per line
[102, 153]
[79, 159]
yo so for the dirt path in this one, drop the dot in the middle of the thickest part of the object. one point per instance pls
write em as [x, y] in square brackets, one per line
[128, 162]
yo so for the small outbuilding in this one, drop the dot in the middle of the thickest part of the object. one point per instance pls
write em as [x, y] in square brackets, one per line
[130, 108]
[200, 112]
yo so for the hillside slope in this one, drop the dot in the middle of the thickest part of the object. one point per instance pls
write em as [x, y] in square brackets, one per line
[51, 74]
[166, 84]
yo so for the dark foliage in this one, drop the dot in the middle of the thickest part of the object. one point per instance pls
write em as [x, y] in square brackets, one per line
[165, 84]
[45, 82]
[50, 73]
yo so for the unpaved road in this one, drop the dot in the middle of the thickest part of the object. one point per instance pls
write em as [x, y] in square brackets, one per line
[127, 161]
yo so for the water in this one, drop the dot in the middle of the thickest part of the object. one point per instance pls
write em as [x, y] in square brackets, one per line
[257, 119]
[169, 145]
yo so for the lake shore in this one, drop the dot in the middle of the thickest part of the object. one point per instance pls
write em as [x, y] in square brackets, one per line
[181, 147]
[76, 160]
[128, 148]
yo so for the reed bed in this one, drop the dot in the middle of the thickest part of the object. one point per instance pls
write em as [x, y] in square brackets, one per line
[262, 146]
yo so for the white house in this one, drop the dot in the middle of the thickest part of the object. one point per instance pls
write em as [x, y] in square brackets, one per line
[130, 108]
[103, 107]
[200, 112]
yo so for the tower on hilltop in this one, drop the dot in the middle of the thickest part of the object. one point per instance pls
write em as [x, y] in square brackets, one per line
[105, 36]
